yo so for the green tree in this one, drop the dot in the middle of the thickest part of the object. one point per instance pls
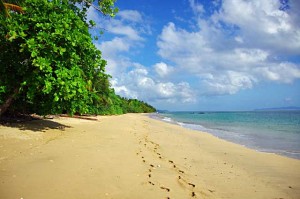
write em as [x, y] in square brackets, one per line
[48, 61]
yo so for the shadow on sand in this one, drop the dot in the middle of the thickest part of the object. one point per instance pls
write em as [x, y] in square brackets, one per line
[33, 124]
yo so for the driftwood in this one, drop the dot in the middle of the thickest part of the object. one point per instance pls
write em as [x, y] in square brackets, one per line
[84, 117]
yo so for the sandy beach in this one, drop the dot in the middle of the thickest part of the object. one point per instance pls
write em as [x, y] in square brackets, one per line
[133, 156]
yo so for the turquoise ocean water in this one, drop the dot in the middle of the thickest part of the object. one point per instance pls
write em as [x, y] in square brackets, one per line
[267, 131]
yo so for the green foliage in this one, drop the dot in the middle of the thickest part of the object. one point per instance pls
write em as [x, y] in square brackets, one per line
[113, 104]
[47, 55]
[120, 105]
[107, 7]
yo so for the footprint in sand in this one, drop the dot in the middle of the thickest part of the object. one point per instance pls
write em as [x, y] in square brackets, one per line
[151, 183]
[191, 184]
[193, 194]
[165, 188]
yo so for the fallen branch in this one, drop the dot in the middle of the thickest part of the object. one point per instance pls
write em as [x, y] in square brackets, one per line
[79, 117]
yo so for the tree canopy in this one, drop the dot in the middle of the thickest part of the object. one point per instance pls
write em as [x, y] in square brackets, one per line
[49, 64]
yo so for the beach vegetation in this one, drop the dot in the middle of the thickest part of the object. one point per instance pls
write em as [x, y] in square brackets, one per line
[49, 64]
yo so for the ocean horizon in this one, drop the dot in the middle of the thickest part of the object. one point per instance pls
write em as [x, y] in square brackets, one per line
[264, 130]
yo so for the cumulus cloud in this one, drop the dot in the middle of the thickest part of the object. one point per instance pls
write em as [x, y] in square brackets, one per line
[284, 72]
[127, 29]
[241, 44]
[236, 47]
[112, 52]
[115, 45]
[229, 82]
[262, 23]
[139, 84]
[129, 78]
[162, 69]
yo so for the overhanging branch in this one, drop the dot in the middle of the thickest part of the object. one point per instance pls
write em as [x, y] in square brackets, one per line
[95, 7]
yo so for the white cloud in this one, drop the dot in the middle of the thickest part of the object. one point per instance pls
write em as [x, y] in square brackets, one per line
[128, 29]
[284, 72]
[115, 45]
[137, 83]
[112, 52]
[236, 48]
[228, 83]
[131, 79]
[130, 15]
[240, 45]
[117, 27]
[262, 24]
[197, 7]
[239, 39]
[162, 69]
[124, 24]
[262, 14]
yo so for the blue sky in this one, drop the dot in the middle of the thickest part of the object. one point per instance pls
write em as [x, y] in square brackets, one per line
[204, 55]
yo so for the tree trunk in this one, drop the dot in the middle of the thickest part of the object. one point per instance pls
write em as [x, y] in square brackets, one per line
[8, 102]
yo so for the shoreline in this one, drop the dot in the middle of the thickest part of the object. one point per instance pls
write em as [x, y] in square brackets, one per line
[134, 156]
[236, 137]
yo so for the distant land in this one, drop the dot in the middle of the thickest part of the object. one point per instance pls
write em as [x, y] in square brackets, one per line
[289, 108]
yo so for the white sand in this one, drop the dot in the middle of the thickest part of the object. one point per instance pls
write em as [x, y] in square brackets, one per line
[132, 156]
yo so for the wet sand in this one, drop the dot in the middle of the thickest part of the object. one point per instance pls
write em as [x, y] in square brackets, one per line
[133, 156]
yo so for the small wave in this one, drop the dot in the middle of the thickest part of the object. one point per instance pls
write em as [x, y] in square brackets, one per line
[167, 119]
[240, 136]
[193, 126]
[288, 153]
